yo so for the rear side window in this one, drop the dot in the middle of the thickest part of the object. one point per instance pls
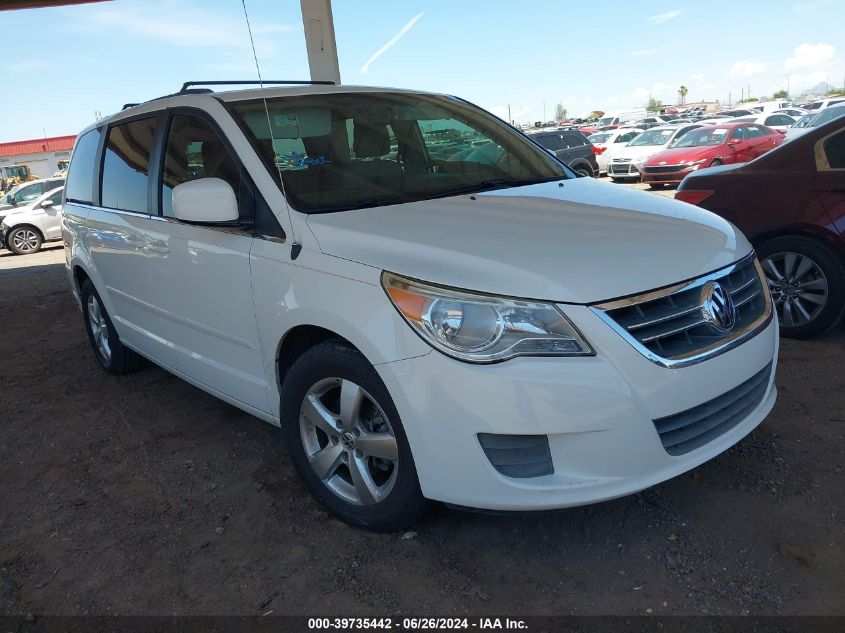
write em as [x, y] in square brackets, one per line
[194, 150]
[126, 165]
[834, 150]
[80, 177]
[574, 140]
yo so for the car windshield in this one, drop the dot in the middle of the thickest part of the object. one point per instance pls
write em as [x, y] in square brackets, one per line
[608, 120]
[652, 137]
[805, 120]
[598, 137]
[703, 136]
[336, 152]
[828, 114]
[9, 195]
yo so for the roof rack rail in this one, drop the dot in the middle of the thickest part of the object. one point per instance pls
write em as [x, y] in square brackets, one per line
[126, 106]
[252, 82]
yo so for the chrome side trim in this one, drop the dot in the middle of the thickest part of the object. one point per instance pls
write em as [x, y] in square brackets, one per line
[697, 356]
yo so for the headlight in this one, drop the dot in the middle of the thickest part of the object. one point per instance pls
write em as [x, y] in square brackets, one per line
[697, 163]
[481, 328]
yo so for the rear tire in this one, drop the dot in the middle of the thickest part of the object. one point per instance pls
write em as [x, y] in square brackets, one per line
[807, 282]
[24, 240]
[110, 353]
[346, 440]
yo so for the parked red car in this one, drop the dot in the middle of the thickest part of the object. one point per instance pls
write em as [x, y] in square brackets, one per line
[707, 147]
[791, 205]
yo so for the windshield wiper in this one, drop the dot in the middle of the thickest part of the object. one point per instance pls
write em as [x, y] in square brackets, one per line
[486, 185]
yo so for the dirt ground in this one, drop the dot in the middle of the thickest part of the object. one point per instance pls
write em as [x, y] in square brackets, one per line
[144, 495]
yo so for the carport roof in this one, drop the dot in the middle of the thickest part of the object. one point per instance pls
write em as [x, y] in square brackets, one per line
[34, 146]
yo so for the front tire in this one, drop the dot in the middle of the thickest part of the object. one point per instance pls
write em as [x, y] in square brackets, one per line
[346, 440]
[110, 353]
[807, 282]
[24, 240]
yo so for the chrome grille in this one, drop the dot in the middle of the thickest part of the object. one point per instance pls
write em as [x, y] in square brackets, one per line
[672, 327]
[695, 427]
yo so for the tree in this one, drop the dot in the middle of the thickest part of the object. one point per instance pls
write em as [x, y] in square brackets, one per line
[682, 93]
[781, 94]
[560, 112]
[750, 100]
[653, 105]
[835, 92]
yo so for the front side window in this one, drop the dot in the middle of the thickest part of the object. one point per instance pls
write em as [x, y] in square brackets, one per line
[549, 141]
[126, 165]
[194, 150]
[80, 176]
[56, 199]
[335, 152]
[626, 138]
[600, 137]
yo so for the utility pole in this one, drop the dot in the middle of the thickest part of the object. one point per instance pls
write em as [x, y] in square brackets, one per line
[510, 120]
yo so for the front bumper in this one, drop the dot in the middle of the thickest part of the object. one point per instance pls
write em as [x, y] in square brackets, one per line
[622, 170]
[671, 177]
[597, 413]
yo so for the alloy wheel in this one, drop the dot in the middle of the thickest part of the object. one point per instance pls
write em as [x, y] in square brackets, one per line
[798, 286]
[99, 328]
[348, 441]
[25, 240]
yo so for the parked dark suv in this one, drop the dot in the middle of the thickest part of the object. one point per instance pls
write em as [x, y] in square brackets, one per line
[571, 147]
[790, 203]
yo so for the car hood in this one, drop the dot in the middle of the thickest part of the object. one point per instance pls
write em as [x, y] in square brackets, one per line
[676, 155]
[582, 242]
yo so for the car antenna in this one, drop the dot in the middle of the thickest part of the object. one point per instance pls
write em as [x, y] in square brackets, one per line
[296, 247]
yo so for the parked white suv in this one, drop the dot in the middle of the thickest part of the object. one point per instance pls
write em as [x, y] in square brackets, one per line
[485, 330]
[25, 229]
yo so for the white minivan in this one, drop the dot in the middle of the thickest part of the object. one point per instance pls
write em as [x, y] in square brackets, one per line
[428, 304]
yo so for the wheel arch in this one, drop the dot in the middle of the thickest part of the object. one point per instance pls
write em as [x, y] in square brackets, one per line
[810, 231]
[298, 340]
[27, 225]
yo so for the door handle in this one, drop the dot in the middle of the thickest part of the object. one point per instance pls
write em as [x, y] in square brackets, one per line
[158, 247]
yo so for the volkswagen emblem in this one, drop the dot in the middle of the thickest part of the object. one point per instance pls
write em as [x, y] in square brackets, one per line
[717, 307]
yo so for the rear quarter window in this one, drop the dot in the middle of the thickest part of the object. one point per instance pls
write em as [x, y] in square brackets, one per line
[80, 177]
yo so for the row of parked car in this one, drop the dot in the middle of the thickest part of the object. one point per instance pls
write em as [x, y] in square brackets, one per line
[791, 202]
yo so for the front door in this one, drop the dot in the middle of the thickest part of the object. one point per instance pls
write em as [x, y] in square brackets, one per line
[53, 217]
[201, 274]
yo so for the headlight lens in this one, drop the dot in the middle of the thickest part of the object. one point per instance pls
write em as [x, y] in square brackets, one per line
[482, 328]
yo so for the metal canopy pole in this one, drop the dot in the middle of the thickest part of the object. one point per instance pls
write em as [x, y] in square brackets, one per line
[319, 40]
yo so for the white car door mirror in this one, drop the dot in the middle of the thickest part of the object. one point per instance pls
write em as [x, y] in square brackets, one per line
[46, 204]
[205, 200]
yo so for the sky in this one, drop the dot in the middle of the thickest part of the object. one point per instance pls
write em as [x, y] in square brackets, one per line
[63, 65]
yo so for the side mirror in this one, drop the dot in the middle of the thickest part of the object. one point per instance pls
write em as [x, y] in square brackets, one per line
[205, 200]
[46, 204]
